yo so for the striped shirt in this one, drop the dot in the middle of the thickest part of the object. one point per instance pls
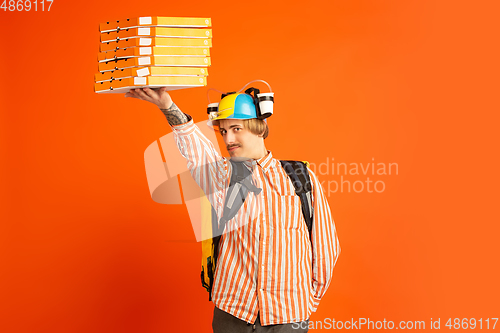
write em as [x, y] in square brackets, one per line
[268, 262]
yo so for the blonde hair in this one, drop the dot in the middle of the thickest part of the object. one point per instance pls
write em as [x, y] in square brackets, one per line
[254, 125]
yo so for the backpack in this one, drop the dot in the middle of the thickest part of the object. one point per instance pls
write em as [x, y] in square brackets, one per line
[239, 186]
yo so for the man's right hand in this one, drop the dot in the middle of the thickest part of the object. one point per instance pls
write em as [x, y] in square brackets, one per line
[160, 97]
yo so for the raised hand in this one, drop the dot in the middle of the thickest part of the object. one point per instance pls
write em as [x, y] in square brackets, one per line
[160, 97]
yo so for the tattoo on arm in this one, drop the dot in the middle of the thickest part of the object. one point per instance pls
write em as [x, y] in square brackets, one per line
[174, 115]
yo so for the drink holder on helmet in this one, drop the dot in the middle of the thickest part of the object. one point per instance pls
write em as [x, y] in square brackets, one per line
[264, 112]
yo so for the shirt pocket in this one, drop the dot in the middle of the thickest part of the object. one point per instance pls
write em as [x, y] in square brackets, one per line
[290, 216]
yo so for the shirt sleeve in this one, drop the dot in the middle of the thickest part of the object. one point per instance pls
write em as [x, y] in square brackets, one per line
[210, 170]
[325, 244]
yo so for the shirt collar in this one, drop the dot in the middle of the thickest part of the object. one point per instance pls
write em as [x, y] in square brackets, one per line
[264, 162]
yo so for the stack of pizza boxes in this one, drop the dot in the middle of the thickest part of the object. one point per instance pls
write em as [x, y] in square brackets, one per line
[172, 52]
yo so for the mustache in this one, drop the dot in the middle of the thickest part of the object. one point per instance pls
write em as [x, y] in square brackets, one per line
[233, 145]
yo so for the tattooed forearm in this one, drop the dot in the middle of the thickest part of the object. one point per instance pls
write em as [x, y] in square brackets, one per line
[174, 115]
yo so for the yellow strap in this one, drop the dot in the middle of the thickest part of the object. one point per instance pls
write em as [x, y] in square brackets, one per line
[206, 233]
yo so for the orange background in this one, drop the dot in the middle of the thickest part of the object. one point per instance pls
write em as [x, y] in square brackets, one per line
[85, 249]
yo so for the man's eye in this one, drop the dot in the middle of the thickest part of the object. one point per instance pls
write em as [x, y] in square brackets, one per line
[237, 128]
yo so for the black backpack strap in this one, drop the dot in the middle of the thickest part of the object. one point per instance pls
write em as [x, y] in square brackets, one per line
[297, 171]
[239, 186]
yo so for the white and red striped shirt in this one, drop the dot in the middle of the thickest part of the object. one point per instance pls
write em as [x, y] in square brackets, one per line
[266, 262]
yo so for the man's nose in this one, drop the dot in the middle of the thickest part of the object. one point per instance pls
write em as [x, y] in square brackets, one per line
[229, 137]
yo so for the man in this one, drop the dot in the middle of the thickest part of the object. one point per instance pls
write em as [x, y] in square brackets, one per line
[271, 273]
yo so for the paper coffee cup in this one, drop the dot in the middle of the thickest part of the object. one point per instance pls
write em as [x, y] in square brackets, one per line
[266, 103]
[212, 110]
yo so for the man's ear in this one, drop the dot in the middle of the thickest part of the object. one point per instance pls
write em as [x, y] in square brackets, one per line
[260, 135]
[266, 129]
